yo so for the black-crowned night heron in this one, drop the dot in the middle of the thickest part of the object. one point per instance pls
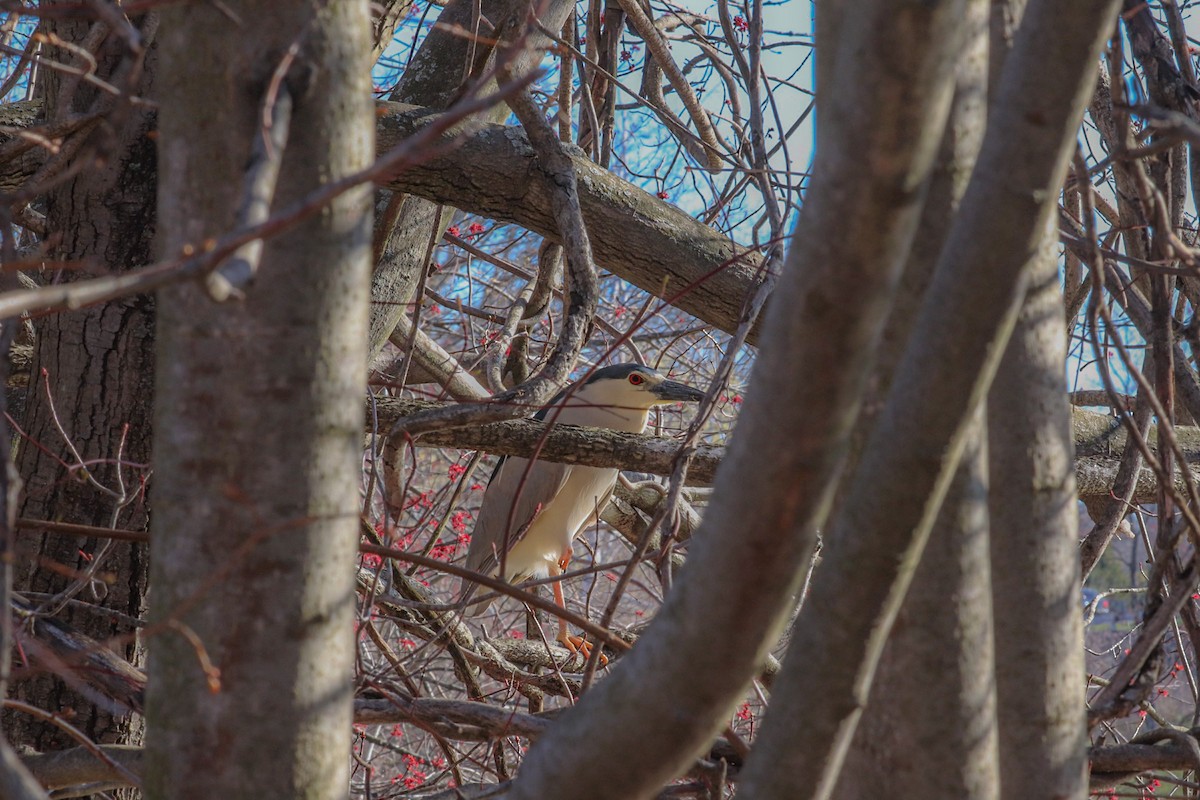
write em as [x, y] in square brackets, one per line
[531, 514]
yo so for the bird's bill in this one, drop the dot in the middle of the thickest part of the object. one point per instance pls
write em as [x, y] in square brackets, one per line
[674, 391]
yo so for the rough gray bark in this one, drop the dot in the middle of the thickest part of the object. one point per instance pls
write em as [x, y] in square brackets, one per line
[1097, 435]
[877, 539]
[1035, 558]
[568, 444]
[98, 376]
[258, 415]
[930, 725]
[1040, 669]
[675, 689]
[390, 15]
[913, 742]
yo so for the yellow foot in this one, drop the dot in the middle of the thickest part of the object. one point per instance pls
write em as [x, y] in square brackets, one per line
[578, 644]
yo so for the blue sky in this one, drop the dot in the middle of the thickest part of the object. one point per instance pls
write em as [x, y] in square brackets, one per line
[650, 158]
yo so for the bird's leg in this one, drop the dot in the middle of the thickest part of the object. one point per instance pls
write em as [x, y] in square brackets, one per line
[572, 643]
[576, 644]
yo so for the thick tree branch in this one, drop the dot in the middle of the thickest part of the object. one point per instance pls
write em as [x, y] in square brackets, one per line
[471, 38]
[1119, 763]
[492, 172]
[1099, 442]
[555, 166]
[644, 240]
[569, 444]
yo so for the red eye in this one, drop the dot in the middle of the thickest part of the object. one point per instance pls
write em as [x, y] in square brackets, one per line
[636, 379]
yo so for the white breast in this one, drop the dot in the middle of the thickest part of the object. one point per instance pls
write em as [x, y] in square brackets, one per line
[551, 533]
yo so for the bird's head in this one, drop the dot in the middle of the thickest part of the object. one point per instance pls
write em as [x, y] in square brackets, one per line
[634, 386]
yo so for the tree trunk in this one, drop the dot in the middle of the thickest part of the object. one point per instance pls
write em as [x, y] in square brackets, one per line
[258, 413]
[936, 737]
[930, 725]
[877, 538]
[1040, 681]
[1040, 668]
[92, 374]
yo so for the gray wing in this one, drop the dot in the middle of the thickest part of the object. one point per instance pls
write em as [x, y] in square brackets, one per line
[530, 492]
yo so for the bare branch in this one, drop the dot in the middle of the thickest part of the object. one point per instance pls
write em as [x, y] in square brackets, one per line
[266, 156]
[431, 358]
[16, 781]
[657, 46]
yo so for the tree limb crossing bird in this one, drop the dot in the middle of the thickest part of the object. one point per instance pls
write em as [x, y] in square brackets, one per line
[532, 513]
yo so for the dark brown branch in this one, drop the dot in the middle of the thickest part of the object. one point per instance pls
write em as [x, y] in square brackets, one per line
[457, 719]
[81, 661]
[646, 241]
[1153, 51]
[1119, 763]
[1099, 442]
